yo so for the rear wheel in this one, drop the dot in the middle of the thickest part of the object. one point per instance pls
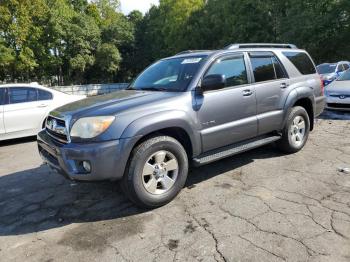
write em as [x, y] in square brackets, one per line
[296, 131]
[156, 173]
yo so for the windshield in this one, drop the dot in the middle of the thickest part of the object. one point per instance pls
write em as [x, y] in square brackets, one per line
[326, 69]
[345, 76]
[171, 75]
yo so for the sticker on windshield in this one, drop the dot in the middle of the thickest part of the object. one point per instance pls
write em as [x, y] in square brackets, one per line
[191, 60]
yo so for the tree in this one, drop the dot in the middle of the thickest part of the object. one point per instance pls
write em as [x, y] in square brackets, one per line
[20, 29]
[108, 60]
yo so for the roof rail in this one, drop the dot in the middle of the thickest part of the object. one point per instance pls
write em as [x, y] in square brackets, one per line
[261, 45]
[191, 51]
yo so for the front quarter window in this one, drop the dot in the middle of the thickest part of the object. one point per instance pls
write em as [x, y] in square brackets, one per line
[172, 75]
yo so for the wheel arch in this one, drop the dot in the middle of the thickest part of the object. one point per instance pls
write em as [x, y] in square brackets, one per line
[300, 97]
[175, 124]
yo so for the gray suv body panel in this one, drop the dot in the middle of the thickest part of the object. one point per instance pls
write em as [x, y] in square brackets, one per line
[212, 120]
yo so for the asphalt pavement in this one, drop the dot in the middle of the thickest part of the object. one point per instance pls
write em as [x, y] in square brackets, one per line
[258, 206]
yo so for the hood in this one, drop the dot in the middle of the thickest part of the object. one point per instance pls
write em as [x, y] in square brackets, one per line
[339, 88]
[112, 103]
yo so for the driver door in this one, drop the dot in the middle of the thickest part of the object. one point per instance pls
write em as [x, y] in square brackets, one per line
[228, 115]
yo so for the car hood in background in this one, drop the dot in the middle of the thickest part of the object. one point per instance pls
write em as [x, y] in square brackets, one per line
[339, 87]
[111, 103]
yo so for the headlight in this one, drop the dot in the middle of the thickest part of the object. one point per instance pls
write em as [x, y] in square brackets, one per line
[90, 127]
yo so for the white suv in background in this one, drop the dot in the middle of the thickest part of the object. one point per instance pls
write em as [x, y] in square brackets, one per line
[24, 108]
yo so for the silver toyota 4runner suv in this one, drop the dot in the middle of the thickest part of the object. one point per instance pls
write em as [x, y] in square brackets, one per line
[197, 106]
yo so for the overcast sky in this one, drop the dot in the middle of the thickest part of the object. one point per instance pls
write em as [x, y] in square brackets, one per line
[141, 5]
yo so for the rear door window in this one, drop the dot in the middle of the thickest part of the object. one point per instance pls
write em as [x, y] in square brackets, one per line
[22, 95]
[346, 66]
[302, 62]
[267, 68]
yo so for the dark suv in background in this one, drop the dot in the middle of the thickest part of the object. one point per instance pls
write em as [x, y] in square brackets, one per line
[197, 106]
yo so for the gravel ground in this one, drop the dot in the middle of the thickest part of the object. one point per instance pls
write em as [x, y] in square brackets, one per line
[258, 206]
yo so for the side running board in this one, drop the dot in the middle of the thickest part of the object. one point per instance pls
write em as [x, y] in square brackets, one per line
[234, 149]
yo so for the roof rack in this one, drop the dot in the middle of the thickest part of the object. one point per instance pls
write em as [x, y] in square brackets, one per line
[261, 45]
[191, 51]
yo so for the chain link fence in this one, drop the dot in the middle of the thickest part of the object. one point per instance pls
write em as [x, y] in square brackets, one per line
[91, 90]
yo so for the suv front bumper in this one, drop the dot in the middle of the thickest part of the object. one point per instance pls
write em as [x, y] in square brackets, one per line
[107, 159]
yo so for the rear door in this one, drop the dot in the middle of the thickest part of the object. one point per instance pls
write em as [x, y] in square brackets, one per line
[24, 112]
[2, 102]
[271, 88]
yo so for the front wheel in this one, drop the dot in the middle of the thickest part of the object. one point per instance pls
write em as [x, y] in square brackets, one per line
[156, 173]
[296, 131]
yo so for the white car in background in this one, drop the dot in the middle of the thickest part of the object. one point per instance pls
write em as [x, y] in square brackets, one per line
[24, 108]
[338, 93]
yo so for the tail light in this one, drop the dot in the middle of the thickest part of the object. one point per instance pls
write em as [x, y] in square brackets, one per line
[322, 85]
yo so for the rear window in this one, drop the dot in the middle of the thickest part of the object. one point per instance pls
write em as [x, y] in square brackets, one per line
[302, 62]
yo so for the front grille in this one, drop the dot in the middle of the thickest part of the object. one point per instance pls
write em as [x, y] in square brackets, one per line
[340, 96]
[56, 128]
[334, 105]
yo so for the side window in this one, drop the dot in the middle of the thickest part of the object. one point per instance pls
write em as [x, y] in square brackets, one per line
[346, 66]
[279, 70]
[302, 62]
[44, 95]
[22, 95]
[232, 68]
[263, 69]
[2, 96]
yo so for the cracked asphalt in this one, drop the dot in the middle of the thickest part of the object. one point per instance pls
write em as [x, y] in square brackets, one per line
[258, 206]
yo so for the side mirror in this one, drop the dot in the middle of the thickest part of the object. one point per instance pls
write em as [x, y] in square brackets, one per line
[213, 82]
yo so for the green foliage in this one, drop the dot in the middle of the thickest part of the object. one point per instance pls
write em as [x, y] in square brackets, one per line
[84, 41]
[108, 58]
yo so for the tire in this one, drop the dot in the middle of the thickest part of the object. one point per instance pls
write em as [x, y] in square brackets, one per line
[295, 134]
[156, 173]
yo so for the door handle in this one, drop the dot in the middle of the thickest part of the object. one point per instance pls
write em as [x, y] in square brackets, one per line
[247, 92]
[42, 106]
[284, 85]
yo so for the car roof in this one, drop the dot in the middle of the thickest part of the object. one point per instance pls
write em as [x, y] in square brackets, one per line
[34, 84]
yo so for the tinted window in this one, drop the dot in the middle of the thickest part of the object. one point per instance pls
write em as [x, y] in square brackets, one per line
[280, 72]
[2, 96]
[232, 68]
[263, 69]
[44, 95]
[22, 95]
[346, 66]
[302, 62]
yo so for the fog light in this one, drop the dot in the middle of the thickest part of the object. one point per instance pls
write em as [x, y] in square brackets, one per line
[87, 166]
